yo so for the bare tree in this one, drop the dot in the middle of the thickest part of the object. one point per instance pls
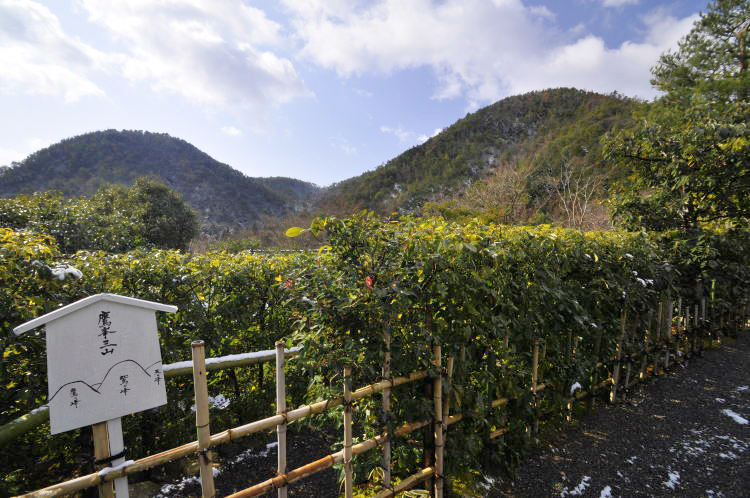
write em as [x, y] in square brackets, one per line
[503, 193]
[575, 191]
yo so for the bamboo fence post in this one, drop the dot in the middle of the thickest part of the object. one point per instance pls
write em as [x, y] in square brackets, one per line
[281, 410]
[658, 329]
[629, 337]
[438, 424]
[597, 359]
[387, 411]
[534, 381]
[101, 451]
[616, 368]
[569, 405]
[348, 473]
[447, 399]
[202, 419]
[668, 329]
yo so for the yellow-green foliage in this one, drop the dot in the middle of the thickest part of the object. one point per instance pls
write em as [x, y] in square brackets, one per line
[465, 287]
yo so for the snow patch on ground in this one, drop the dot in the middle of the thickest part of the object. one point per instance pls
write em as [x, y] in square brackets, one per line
[674, 479]
[606, 492]
[735, 416]
[578, 490]
[251, 453]
[170, 489]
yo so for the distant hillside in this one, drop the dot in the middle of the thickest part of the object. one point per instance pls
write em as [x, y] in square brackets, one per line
[223, 197]
[532, 136]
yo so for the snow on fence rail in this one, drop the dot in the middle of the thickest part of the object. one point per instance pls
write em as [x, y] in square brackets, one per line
[670, 340]
[40, 415]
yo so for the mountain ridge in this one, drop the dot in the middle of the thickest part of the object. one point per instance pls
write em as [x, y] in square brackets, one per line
[223, 197]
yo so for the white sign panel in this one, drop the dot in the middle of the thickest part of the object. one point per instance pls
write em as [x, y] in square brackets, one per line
[103, 360]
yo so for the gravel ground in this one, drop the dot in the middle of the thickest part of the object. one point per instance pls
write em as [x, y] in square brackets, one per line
[244, 465]
[685, 434]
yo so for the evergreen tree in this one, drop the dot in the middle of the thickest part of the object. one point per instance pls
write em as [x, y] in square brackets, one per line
[690, 150]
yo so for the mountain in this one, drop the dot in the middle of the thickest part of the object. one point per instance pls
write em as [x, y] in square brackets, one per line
[223, 197]
[534, 136]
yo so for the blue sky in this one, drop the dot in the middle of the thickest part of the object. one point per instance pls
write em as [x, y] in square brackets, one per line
[319, 90]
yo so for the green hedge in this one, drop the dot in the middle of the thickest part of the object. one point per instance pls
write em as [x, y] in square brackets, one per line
[424, 280]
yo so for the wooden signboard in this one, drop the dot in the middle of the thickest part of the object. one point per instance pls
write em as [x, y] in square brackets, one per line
[103, 362]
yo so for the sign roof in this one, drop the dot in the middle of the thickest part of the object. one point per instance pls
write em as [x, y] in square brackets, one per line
[70, 308]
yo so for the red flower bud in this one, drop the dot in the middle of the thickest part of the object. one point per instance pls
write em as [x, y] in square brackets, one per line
[368, 282]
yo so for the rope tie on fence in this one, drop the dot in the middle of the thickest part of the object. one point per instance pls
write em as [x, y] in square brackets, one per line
[202, 426]
[284, 480]
[111, 458]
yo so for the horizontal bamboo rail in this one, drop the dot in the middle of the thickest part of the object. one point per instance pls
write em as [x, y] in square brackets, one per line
[324, 463]
[23, 424]
[224, 437]
[329, 461]
[407, 483]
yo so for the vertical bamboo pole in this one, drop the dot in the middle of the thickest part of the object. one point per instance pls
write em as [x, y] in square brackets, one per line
[101, 451]
[438, 425]
[534, 381]
[681, 327]
[659, 328]
[387, 411]
[697, 337]
[447, 405]
[687, 329]
[668, 330]
[447, 399]
[569, 405]
[616, 368]
[348, 473]
[281, 409]
[597, 359]
[202, 427]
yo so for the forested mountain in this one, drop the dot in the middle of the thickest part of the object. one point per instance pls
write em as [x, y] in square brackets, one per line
[532, 158]
[222, 196]
[528, 143]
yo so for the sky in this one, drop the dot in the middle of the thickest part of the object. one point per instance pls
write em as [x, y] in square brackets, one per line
[319, 90]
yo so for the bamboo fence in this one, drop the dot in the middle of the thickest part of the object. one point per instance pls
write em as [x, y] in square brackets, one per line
[656, 335]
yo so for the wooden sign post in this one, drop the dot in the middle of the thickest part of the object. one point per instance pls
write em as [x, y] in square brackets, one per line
[103, 362]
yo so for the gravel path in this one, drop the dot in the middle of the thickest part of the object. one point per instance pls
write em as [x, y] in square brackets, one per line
[686, 434]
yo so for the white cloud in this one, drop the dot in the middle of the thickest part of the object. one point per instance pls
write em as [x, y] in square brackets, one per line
[221, 53]
[38, 58]
[477, 49]
[399, 132]
[407, 136]
[21, 150]
[363, 93]
[340, 143]
[618, 3]
[213, 52]
[231, 131]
